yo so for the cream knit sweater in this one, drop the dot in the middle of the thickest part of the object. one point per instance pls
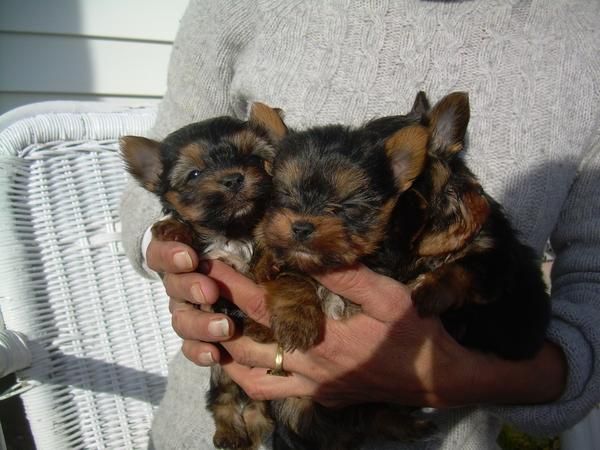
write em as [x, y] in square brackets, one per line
[532, 69]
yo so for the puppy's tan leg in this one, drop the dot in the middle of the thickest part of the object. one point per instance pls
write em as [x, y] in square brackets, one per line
[259, 424]
[296, 317]
[224, 402]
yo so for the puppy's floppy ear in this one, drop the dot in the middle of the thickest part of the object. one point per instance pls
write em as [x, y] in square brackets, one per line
[448, 122]
[142, 160]
[421, 105]
[268, 119]
[407, 151]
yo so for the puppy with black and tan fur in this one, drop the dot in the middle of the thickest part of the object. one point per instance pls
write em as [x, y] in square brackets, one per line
[457, 249]
[335, 190]
[397, 196]
[213, 179]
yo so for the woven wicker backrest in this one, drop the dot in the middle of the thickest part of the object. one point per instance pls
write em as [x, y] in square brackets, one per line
[99, 333]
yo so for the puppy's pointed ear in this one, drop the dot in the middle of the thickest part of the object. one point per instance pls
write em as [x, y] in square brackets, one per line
[421, 105]
[142, 160]
[448, 122]
[268, 119]
[407, 151]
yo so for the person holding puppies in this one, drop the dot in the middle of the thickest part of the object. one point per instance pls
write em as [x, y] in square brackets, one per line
[534, 142]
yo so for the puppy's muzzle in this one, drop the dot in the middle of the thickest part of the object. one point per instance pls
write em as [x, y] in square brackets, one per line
[302, 230]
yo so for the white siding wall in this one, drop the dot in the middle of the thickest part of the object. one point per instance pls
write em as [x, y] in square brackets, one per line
[108, 50]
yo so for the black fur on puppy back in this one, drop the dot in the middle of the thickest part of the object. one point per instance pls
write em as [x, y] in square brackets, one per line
[459, 251]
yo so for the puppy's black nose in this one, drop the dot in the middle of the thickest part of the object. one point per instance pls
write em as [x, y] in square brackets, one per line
[233, 181]
[302, 230]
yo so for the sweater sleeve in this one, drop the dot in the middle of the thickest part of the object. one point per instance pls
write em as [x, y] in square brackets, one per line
[201, 67]
[575, 305]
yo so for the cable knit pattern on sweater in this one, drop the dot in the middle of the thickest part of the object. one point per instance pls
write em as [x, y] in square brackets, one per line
[532, 72]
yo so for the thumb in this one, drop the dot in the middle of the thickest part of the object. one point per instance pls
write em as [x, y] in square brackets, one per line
[380, 297]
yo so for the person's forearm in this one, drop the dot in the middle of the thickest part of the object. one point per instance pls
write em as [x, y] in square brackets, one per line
[492, 380]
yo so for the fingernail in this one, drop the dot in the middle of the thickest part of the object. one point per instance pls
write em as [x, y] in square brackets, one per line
[197, 294]
[206, 359]
[219, 328]
[183, 261]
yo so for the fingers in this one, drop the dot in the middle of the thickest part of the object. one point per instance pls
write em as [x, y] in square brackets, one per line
[201, 353]
[192, 324]
[242, 291]
[252, 354]
[380, 297]
[193, 287]
[170, 257]
[260, 386]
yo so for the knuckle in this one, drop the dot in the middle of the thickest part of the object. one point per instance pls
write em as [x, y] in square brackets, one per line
[154, 255]
[168, 283]
[187, 351]
[243, 356]
[330, 349]
[326, 351]
[255, 391]
[173, 286]
[192, 351]
[346, 280]
[351, 278]
[257, 309]
[178, 323]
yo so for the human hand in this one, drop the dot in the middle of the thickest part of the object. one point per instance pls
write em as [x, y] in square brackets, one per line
[188, 291]
[386, 353]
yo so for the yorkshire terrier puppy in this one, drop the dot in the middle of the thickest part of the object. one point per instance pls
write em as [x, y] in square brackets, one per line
[335, 191]
[396, 196]
[457, 249]
[213, 179]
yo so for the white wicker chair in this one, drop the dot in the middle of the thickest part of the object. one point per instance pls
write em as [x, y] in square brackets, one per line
[89, 338]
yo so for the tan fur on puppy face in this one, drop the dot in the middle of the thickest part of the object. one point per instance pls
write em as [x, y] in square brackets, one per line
[331, 244]
[345, 195]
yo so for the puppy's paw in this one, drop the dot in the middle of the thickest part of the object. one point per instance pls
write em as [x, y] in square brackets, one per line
[257, 332]
[300, 330]
[426, 296]
[297, 319]
[449, 287]
[172, 230]
[230, 438]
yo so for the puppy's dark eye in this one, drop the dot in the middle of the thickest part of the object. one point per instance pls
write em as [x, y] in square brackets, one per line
[332, 208]
[283, 198]
[192, 175]
[254, 159]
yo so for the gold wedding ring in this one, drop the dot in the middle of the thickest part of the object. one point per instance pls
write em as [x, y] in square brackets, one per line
[278, 370]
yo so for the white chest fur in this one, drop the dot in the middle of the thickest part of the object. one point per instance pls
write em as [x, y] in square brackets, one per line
[236, 253]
